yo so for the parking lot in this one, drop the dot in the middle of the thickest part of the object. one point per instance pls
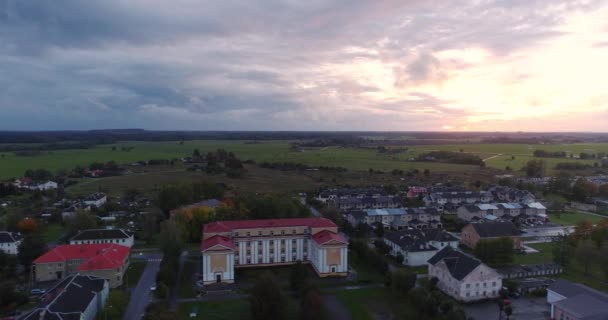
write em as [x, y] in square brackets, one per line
[523, 309]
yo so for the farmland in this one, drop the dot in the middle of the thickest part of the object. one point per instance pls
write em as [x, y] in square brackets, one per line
[497, 155]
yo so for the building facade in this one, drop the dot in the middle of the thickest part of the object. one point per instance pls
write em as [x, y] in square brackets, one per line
[107, 261]
[9, 242]
[474, 232]
[227, 245]
[397, 218]
[464, 277]
[95, 236]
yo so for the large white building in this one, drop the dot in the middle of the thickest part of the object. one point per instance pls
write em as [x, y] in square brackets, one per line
[227, 245]
[464, 277]
[9, 242]
[97, 200]
[92, 236]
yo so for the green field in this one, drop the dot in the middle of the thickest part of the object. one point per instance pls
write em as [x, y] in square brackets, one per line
[53, 232]
[572, 218]
[544, 255]
[278, 151]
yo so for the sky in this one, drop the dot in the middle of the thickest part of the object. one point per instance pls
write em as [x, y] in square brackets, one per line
[384, 65]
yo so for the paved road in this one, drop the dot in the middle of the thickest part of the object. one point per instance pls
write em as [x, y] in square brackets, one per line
[547, 231]
[336, 308]
[141, 295]
[314, 211]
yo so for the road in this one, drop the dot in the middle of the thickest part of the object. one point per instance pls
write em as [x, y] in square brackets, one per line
[547, 231]
[314, 211]
[141, 294]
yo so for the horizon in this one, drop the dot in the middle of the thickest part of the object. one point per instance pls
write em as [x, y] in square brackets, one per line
[402, 66]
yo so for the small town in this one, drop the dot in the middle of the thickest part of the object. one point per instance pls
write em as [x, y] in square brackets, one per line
[446, 251]
[303, 160]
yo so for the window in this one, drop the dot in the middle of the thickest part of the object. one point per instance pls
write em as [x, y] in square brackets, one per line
[293, 231]
[248, 234]
[494, 284]
[282, 232]
[259, 233]
[468, 285]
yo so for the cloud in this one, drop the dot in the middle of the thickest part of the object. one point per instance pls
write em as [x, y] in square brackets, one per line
[312, 65]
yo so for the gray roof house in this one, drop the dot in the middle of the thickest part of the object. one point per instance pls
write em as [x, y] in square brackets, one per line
[575, 301]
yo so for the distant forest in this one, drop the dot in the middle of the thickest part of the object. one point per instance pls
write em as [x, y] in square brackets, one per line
[84, 139]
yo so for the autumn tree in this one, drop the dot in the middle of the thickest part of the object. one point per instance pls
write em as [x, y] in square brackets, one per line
[27, 226]
[191, 220]
[583, 189]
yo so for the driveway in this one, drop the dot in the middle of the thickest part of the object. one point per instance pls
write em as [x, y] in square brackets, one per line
[523, 309]
[141, 295]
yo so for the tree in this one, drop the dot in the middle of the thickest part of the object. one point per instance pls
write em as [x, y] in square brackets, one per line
[583, 229]
[266, 299]
[603, 263]
[298, 277]
[312, 305]
[603, 190]
[427, 173]
[509, 311]
[27, 226]
[31, 247]
[81, 220]
[8, 263]
[433, 281]
[562, 250]
[191, 220]
[586, 252]
[535, 168]
[402, 281]
[399, 257]
[495, 252]
[582, 190]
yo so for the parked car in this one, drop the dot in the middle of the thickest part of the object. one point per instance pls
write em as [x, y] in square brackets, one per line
[38, 291]
[153, 287]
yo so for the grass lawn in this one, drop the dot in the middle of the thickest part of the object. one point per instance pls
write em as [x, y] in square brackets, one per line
[572, 218]
[215, 310]
[134, 271]
[186, 288]
[364, 273]
[544, 255]
[377, 303]
[227, 309]
[53, 232]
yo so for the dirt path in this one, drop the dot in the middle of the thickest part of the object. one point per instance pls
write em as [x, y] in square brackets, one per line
[492, 157]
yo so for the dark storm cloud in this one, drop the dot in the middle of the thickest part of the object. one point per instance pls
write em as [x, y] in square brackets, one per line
[240, 64]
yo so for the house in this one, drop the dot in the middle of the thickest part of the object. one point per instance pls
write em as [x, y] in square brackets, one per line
[440, 199]
[343, 193]
[403, 218]
[473, 232]
[75, 297]
[27, 183]
[108, 261]
[418, 246]
[356, 217]
[227, 245]
[476, 212]
[464, 277]
[574, 301]
[94, 236]
[9, 242]
[416, 192]
[355, 203]
[508, 194]
[96, 200]
[530, 270]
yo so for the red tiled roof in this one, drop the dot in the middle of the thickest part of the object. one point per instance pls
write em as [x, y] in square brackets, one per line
[227, 226]
[96, 256]
[217, 240]
[326, 236]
